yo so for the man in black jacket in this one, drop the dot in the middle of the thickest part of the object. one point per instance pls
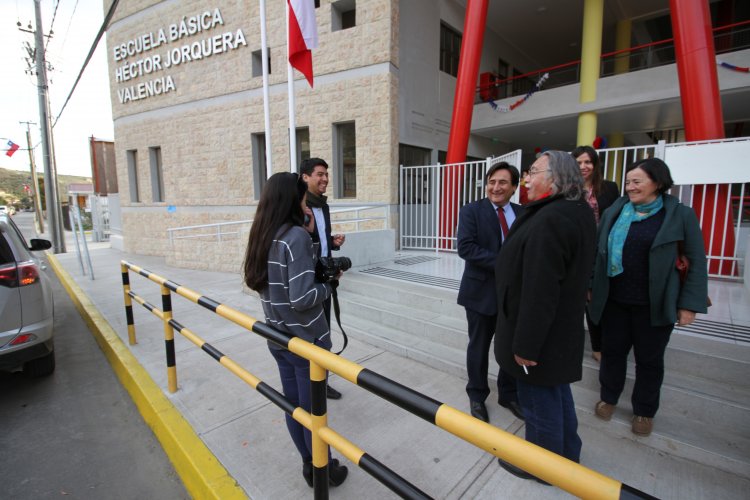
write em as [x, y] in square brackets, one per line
[482, 227]
[314, 172]
[542, 276]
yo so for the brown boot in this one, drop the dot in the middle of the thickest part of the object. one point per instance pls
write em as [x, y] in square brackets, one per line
[604, 410]
[642, 426]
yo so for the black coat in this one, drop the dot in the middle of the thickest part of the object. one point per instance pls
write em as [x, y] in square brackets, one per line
[608, 193]
[478, 240]
[542, 275]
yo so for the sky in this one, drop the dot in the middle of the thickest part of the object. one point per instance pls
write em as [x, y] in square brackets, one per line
[89, 111]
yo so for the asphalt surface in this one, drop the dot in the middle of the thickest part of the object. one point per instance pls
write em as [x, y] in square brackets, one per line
[77, 433]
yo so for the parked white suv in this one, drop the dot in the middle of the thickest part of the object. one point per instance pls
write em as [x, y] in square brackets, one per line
[26, 307]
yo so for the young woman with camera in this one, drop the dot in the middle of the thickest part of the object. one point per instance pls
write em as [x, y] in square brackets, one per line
[280, 265]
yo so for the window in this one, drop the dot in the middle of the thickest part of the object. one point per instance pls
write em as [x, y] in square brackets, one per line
[416, 188]
[257, 63]
[343, 15]
[260, 165]
[157, 177]
[345, 157]
[132, 156]
[450, 49]
[303, 144]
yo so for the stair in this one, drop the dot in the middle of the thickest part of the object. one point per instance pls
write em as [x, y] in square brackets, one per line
[705, 401]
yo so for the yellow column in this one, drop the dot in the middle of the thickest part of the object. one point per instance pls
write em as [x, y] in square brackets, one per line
[591, 52]
[622, 41]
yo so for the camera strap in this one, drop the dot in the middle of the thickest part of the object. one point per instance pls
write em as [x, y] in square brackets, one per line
[337, 313]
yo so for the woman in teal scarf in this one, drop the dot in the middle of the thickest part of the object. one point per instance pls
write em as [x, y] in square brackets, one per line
[637, 296]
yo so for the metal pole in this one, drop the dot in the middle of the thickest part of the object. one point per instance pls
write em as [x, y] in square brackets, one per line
[34, 181]
[290, 91]
[50, 179]
[266, 98]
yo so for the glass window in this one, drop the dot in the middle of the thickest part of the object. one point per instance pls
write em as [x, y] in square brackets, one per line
[343, 15]
[132, 156]
[450, 49]
[257, 62]
[260, 165]
[157, 176]
[345, 153]
[303, 144]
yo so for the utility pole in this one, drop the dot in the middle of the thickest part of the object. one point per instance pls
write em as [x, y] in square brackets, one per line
[54, 213]
[34, 181]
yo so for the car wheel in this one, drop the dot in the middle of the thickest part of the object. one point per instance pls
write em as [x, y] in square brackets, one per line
[40, 367]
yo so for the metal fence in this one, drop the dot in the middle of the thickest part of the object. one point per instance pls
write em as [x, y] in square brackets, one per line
[721, 199]
[421, 190]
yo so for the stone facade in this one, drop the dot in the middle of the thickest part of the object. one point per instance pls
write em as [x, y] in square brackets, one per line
[204, 123]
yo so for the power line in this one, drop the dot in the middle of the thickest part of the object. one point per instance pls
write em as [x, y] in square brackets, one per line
[54, 15]
[99, 35]
[67, 30]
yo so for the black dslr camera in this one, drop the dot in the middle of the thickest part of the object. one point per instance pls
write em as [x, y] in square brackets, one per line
[328, 268]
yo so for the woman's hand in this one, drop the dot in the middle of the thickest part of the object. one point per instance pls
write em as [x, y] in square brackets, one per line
[685, 317]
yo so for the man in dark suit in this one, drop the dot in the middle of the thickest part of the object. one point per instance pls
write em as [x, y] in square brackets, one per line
[482, 226]
[314, 172]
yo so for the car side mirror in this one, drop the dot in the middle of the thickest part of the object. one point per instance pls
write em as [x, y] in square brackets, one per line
[39, 244]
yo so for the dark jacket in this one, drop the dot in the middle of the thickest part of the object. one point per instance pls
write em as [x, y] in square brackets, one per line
[478, 240]
[543, 271]
[608, 193]
[327, 216]
[666, 294]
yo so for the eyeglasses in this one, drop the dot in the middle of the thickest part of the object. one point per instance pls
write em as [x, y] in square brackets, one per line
[535, 171]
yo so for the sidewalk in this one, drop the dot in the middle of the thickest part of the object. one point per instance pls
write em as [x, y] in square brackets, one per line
[228, 420]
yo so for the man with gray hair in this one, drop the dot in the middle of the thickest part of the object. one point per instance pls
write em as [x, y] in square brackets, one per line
[542, 275]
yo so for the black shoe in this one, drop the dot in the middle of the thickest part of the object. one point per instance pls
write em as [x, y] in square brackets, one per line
[332, 393]
[478, 410]
[307, 473]
[514, 408]
[518, 472]
[336, 473]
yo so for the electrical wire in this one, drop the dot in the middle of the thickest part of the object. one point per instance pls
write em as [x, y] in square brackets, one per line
[67, 30]
[99, 35]
[54, 15]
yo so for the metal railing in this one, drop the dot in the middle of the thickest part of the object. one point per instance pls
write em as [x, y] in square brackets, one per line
[723, 207]
[728, 38]
[420, 193]
[220, 231]
[555, 469]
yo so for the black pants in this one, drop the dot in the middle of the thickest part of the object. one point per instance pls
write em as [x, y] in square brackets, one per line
[625, 326]
[481, 331]
[595, 332]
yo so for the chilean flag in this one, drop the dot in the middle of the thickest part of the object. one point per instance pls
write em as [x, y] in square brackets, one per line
[303, 36]
[13, 147]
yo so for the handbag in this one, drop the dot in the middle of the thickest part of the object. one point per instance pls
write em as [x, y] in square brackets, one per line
[683, 266]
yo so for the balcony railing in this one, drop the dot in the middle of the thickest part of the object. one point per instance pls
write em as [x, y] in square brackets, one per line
[730, 38]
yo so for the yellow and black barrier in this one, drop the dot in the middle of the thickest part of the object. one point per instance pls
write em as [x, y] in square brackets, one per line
[555, 469]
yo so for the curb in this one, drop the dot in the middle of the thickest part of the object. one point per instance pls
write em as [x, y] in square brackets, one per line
[200, 471]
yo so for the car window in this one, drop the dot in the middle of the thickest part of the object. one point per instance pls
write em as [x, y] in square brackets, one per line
[18, 232]
[6, 255]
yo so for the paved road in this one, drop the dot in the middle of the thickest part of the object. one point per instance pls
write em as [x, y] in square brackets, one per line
[77, 433]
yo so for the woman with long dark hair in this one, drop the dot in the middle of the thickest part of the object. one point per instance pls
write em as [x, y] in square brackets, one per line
[599, 194]
[280, 266]
[638, 294]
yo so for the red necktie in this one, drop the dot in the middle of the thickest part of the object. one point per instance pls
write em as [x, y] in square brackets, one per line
[503, 221]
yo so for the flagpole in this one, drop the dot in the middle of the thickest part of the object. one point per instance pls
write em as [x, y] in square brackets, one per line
[266, 100]
[290, 91]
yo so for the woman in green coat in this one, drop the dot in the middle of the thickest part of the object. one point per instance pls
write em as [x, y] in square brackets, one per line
[637, 295]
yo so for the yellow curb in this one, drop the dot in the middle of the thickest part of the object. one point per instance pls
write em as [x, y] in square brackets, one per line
[201, 472]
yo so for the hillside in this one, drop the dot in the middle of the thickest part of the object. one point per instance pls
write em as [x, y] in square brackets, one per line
[12, 182]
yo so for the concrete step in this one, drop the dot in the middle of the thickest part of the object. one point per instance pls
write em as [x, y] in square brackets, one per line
[705, 403]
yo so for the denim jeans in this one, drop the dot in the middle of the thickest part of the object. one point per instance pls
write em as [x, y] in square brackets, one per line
[295, 382]
[550, 418]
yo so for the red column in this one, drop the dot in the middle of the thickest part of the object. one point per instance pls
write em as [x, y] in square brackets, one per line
[463, 106]
[702, 116]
